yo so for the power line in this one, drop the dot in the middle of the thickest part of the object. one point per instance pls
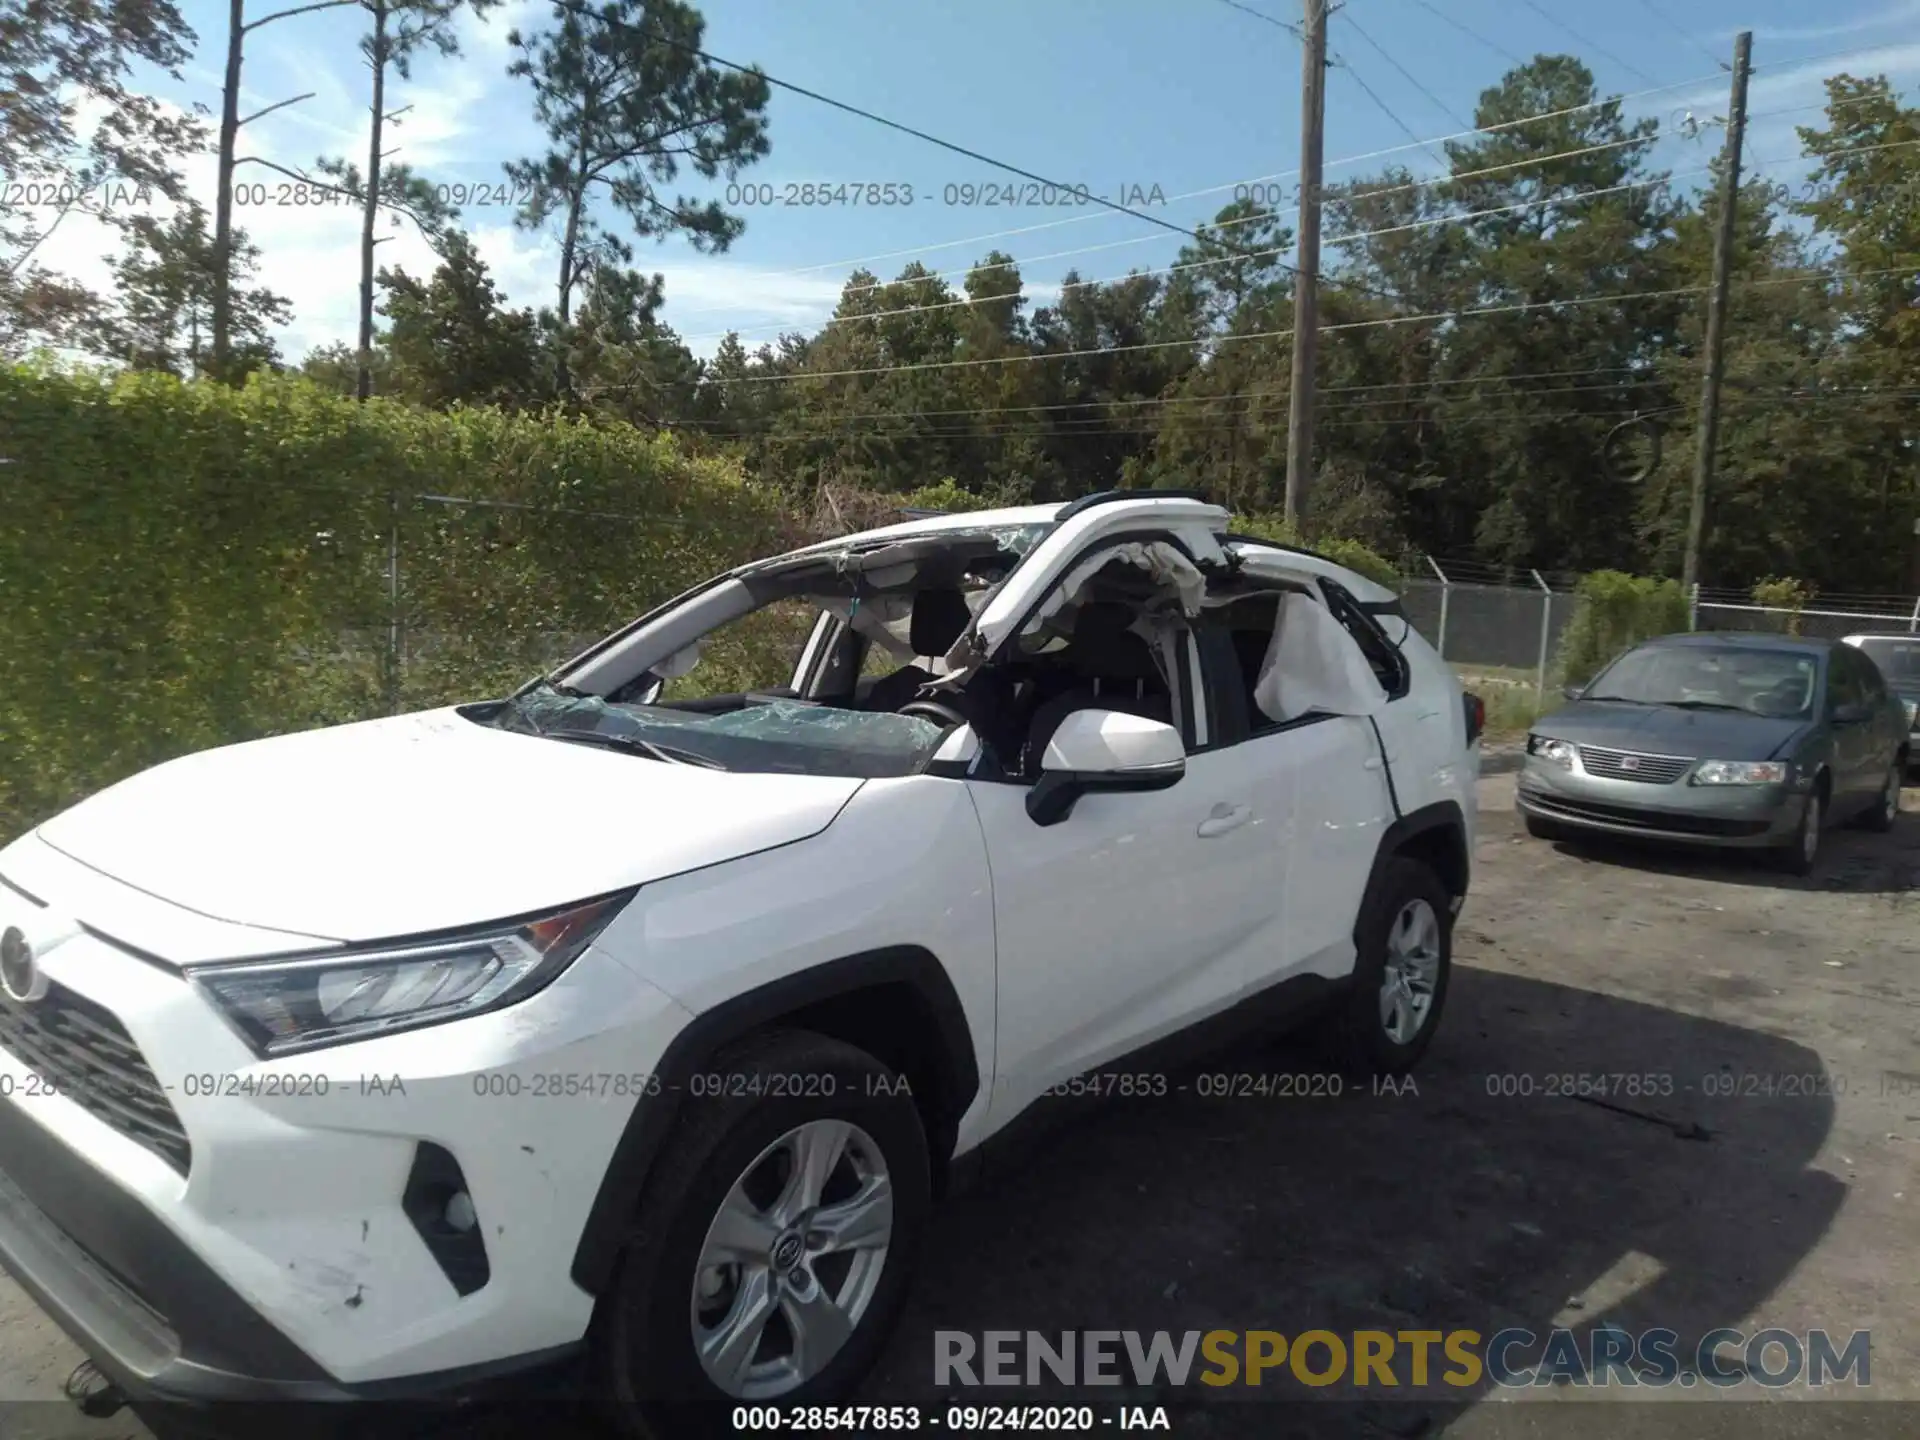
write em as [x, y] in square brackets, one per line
[1387, 110]
[1474, 35]
[1375, 322]
[1406, 74]
[1580, 39]
[1667, 20]
[583, 11]
[1258, 180]
[1293, 30]
[1191, 265]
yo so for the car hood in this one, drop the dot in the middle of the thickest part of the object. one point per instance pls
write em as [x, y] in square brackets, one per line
[420, 823]
[1664, 730]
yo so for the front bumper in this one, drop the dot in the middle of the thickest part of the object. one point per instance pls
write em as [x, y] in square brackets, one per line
[1734, 816]
[283, 1263]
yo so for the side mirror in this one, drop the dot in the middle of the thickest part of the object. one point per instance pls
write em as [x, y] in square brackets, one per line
[1103, 750]
[1573, 692]
[1852, 714]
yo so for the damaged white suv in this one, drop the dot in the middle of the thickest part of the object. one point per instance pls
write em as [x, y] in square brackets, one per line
[629, 1023]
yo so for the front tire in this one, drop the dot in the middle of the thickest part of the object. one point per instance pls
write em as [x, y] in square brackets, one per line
[1799, 855]
[1404, 961]
[774, 1244]
[1886, 806]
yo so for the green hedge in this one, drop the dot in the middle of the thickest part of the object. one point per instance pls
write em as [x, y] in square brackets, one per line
[1611, 612]
[185, 565]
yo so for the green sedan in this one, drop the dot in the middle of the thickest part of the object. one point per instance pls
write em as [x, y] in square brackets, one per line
[1758, 742]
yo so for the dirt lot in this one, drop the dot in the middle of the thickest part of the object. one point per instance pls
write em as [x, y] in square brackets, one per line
[1772, 1179]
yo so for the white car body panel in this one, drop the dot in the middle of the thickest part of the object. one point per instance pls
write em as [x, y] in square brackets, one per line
[905, 864]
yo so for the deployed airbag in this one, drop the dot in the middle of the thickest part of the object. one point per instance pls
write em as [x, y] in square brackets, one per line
[1312, 663]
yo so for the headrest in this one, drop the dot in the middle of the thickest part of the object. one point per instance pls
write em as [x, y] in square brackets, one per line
[939, 617]
[1105, 645]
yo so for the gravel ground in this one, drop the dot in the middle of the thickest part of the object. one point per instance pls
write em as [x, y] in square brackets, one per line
[1770, 1178]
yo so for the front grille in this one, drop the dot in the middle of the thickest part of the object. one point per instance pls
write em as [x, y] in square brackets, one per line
[80, 1050]
[1652, 822]
[1627, 765]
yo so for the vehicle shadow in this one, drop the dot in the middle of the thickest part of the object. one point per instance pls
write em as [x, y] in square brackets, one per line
[1852, 860]
[1487, 1194]
[1484, 1197]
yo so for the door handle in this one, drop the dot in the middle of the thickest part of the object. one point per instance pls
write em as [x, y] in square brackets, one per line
[1372, 762]
[1224, 818]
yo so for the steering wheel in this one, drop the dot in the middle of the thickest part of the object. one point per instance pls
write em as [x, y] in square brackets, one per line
[939, 712]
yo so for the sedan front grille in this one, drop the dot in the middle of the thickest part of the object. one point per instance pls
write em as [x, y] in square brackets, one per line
[1627, 765]
[79, 1050]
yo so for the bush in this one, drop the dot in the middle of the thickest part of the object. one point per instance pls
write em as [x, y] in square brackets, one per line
[1612, 612]
[186, 565]
[1788, 596]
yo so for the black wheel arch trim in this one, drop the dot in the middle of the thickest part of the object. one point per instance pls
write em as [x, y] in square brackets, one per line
[654, 1116]
[1441, 815]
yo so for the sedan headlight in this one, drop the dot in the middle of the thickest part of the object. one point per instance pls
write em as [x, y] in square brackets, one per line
[1554, 752]
[1742, 772]
[282, 1006]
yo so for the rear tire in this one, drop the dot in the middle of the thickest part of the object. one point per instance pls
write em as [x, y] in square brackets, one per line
[1404, 961]
[734, 1175]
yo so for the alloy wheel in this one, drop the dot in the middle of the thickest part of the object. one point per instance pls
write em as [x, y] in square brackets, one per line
[1411, 972]
[792, 1259]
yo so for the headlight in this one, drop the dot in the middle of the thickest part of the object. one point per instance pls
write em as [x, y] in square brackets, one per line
[281, 1006]
[1554, 752]
[1742, 772]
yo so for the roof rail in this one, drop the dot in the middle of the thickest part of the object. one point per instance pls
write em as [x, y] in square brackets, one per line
[1109, 497]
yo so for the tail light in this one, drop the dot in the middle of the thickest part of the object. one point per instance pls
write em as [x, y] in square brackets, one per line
[1476, 709]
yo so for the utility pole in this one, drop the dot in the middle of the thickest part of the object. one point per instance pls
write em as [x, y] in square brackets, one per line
[1717, 312]
[1306, 282]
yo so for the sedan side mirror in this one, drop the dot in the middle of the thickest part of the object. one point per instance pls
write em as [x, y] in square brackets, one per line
[1103, 750]
[1852, 714]
[1573, 692]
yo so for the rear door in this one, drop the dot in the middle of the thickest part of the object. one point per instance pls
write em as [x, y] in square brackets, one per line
[1321, 787]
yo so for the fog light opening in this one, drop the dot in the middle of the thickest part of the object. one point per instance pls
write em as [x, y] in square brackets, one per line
[442, 1210]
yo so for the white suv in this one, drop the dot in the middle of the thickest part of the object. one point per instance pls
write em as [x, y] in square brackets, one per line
[626, 1023]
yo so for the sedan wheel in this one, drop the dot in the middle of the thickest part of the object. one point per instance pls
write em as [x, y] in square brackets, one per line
[1886, 810]
[1800, 854]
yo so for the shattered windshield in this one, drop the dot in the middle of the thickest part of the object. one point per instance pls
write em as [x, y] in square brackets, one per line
[787, 737]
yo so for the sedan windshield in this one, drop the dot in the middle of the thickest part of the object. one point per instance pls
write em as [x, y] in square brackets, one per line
[1898, 659]
[780, 737]
[1777, 683]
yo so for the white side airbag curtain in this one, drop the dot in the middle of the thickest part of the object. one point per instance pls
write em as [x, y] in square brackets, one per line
[1312, 663]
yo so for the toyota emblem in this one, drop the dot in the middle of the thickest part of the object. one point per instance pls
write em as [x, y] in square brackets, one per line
[20, 975]
[1629, 762]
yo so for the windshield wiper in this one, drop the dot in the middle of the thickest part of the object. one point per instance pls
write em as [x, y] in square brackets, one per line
[1703, 705]
[634, 745]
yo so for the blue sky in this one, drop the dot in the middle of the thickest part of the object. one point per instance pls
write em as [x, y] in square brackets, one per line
[1183, 95]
